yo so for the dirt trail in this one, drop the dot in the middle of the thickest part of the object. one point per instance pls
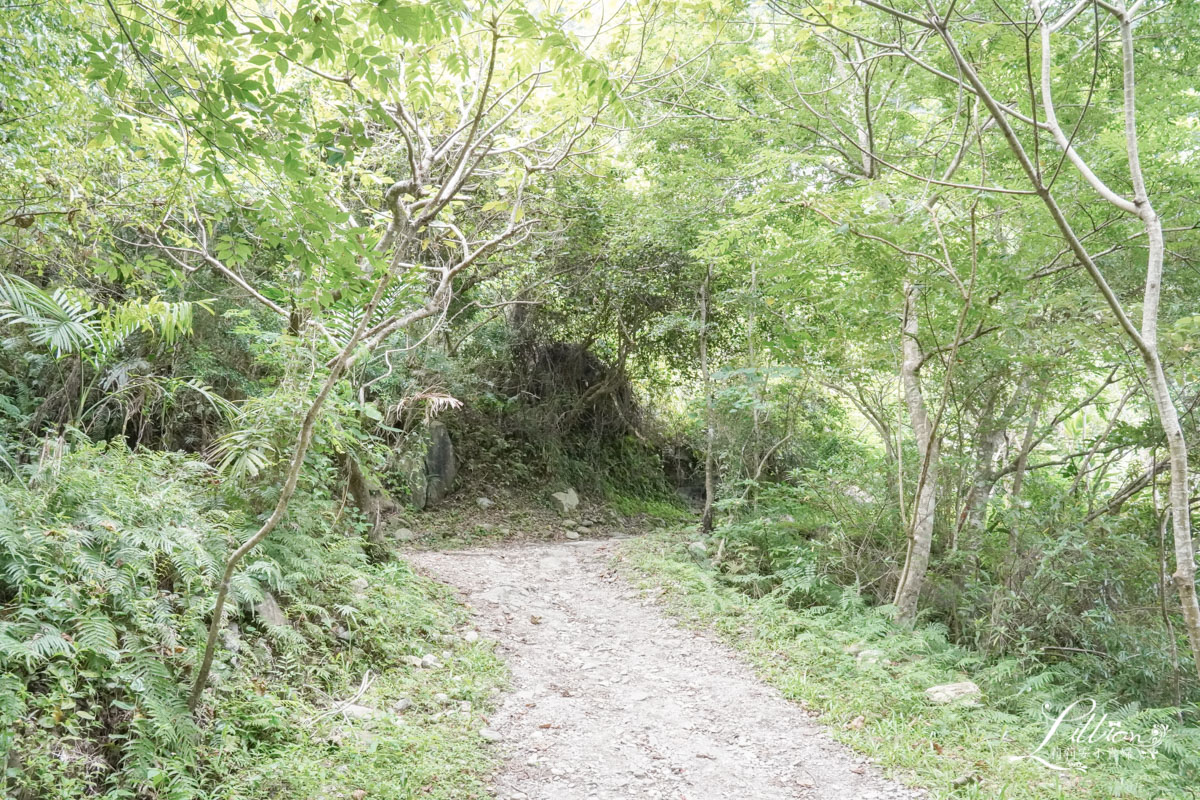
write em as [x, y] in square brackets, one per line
[612, 700]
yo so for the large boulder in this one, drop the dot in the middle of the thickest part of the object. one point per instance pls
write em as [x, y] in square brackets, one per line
[269, 611]
[430, 477]
[441, 470]
[411, 473]
[567, 501]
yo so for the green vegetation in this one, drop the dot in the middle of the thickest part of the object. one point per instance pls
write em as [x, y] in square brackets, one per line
[901, 299]
[111, 558]
[662, 510]
[812, 654]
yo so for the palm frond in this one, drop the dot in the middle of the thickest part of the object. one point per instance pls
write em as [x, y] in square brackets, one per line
[56, 320]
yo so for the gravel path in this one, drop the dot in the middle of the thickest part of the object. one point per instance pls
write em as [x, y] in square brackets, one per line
[612, 700]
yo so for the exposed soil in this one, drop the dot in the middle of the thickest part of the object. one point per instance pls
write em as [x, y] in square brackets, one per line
[611, 699]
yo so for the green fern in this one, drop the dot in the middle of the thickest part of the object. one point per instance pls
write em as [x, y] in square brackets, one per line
[66, 323]
[57, 320]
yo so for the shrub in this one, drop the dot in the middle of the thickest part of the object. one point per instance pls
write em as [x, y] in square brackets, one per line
[105, 567]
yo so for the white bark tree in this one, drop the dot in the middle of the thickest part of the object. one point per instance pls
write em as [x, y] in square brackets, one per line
[920, 528]
[920, 35]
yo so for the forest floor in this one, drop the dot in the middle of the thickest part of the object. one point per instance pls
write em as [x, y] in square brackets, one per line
[611, 698]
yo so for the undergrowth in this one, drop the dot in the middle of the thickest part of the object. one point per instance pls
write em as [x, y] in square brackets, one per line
[667, 510]
[108, 562]
[879, 707]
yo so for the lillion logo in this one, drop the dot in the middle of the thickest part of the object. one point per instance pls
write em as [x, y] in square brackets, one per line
[1085, 726]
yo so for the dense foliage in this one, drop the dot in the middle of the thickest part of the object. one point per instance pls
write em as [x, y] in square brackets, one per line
[905, 298]
[110, 558]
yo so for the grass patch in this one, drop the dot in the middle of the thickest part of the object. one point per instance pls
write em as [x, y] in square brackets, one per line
[668, 511]
[956, 751]
[424, 741]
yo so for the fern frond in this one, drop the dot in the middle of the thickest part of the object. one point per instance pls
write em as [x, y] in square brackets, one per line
[56, 320]
[96, 632]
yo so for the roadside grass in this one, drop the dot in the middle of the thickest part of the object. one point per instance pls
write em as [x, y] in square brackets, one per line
[107, 570]
[423, 742]
[956, 751]
[669, 511]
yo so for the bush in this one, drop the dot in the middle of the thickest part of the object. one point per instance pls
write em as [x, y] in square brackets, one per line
[105, 566]
[108, 566]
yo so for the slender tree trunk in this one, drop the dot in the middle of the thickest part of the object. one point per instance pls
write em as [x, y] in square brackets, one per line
[1014, 531]
[1004, 596]
[1172, 645]
[370, 498]
[920, 529]
[756, 448]
[303, 440]
[979, 496]
[710, 423]
[1146, 339]
[988, 437]
[1179, 493]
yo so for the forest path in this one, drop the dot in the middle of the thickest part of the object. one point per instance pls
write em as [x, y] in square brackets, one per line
[612, 700]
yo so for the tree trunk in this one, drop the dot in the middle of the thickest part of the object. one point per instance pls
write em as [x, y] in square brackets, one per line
[920, 530]
[978, 498]
[756, 460]
[370, 498]
[706, 519]
[988, 437]
[1014, 532]
[1179, 494]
